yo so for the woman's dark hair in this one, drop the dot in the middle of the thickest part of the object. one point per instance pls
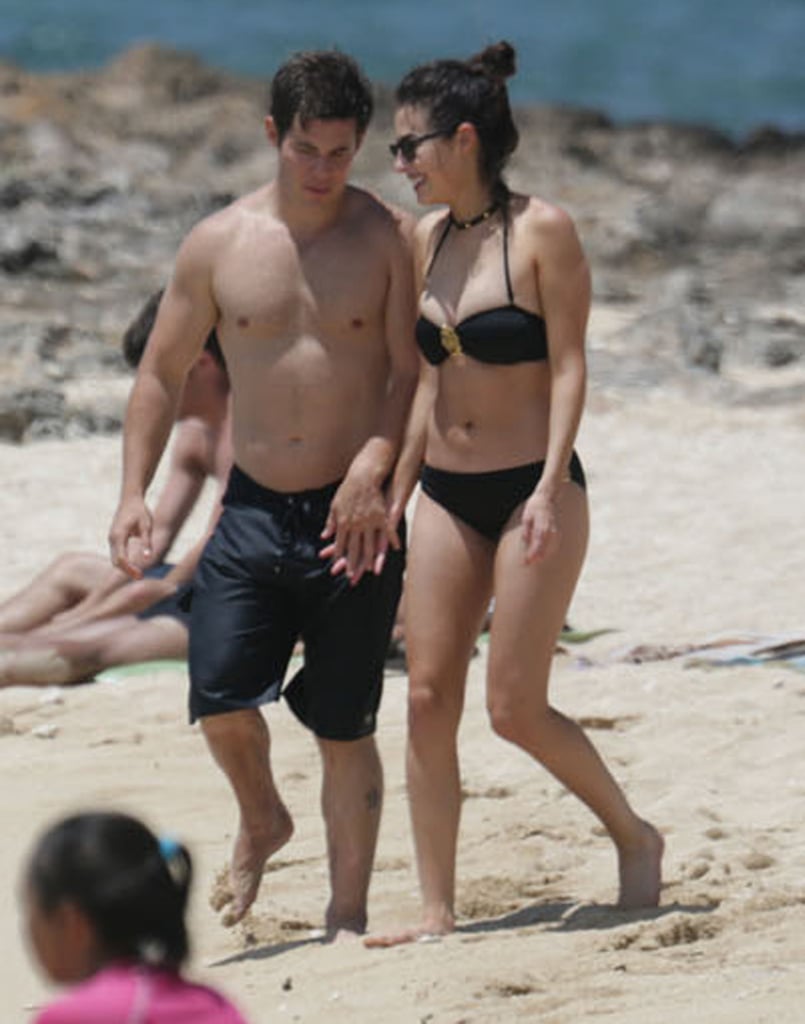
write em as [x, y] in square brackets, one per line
[132, 887]
[324, 85]
[454, 91]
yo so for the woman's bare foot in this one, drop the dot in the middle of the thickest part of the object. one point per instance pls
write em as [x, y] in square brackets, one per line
[434, 926]
[639, 870]
[238, 889]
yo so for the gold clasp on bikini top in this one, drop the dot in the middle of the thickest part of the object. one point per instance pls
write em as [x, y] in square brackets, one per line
[450, 340]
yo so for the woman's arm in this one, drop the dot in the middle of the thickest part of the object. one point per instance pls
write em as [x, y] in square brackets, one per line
[412, 453]
[564, 287]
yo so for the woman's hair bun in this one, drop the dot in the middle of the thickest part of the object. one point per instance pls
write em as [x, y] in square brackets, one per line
[497, 60]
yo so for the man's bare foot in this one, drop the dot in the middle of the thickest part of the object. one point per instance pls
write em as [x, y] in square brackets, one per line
[639, 869]
[343, 936]
[434, 927]
[238, 889]
[344, 927]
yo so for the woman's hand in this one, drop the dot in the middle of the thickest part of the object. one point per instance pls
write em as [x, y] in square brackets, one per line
[540, 528]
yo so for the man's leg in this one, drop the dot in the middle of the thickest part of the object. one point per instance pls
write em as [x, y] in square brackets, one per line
[352, 799]
[240, 743]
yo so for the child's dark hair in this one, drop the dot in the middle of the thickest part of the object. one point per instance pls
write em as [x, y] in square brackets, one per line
[132, 887]
[324, 85]
[136, 334]
[454, 91]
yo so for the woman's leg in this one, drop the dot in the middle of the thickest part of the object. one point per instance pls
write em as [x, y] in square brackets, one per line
[531, 603]
[448, 583]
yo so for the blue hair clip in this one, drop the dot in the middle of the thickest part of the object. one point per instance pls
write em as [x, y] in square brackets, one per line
[168, 847]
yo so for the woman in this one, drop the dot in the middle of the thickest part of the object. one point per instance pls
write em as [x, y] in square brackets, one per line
[505, 294]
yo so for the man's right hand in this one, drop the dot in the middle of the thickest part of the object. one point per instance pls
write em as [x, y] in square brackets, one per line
[132, 521]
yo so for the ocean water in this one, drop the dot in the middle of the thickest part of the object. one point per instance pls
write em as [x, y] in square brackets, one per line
[730, 64]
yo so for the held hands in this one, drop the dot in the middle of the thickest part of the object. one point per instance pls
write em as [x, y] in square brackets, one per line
[540, 528]
[360, 528]
[130, 537]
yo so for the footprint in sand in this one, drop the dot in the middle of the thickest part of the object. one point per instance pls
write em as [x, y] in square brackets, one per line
[512, 989]
[677, 930]
[7, 726]
[606, 722]
[758, 861]
[490, 793]
[492, 897]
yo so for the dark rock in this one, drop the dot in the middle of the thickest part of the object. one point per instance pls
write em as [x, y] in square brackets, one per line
[30, 254]
[21, 408]
[781, 353]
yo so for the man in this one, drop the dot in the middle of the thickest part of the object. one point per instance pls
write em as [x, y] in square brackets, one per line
[308, 283]
[80, 616]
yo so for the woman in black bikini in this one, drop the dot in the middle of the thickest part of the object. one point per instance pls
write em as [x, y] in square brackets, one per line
[505, 294]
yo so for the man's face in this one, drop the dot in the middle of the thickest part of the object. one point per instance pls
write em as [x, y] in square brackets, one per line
[315, 159]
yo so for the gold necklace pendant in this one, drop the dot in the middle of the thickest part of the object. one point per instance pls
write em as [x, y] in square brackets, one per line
[450, 340]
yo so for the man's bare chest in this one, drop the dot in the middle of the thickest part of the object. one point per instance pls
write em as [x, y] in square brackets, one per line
[284, 291]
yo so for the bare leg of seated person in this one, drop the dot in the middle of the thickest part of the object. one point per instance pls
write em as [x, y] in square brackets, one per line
[60, 586]
[87, 650]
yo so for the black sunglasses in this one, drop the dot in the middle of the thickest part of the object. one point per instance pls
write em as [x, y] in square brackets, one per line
[407, 145]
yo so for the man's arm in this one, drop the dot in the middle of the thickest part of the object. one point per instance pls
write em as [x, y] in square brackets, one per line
[358, 519]
[186, 315]
[187, 473]
[117, 594]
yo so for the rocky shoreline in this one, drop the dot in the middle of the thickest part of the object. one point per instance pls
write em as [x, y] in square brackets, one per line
[697, 241]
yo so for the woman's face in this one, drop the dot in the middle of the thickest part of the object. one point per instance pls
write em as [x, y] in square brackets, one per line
[423, 155]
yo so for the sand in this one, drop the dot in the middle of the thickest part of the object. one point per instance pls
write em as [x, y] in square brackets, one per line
[698, 531]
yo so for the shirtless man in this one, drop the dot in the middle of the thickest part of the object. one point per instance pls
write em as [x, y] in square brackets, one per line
[308, 283]
[79, 615]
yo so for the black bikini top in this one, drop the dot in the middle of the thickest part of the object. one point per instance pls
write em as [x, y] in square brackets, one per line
[503, 335]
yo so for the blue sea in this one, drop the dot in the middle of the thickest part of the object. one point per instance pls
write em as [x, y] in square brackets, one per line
[735, 65]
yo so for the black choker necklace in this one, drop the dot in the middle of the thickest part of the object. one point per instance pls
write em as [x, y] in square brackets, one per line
[462, 225]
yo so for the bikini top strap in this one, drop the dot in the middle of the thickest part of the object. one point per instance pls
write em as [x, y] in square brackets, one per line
[439, 244]
[506, 270]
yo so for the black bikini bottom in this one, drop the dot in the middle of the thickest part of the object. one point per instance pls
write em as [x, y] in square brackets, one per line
[485, 501]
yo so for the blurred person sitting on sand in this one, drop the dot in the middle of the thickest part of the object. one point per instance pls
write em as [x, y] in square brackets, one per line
[504, 299]
[105, 904]
[80, 615]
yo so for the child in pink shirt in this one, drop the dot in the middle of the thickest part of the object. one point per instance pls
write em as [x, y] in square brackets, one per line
[105, 903]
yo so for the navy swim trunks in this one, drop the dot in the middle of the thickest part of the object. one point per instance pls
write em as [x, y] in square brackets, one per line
[260, 586]
[177, 605]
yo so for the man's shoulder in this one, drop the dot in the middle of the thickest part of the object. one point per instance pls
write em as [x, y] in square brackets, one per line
[379, 215]
[229, 218]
